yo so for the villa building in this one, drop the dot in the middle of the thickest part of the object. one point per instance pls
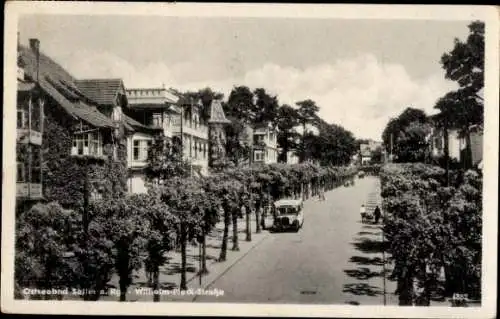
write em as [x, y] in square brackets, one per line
[192, 130]
[60, 123]
[150, 112]
[265, 145]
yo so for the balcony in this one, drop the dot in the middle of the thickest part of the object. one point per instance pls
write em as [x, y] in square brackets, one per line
[200, 131]
[27, 136]
[29, 119]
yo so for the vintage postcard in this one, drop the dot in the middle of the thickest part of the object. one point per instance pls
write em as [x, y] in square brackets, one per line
[250, 159]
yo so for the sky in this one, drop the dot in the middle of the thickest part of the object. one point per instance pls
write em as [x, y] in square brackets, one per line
[359, 72]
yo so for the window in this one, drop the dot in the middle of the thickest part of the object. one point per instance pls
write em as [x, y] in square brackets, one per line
[22, 119]
[29, 166]
[36, 165]
[36, 116]
[94, 142]
[157, 119]
[117, 113]
[140, 151]
[21, 172]
[258, 139]
[89, 143]
[259, 156]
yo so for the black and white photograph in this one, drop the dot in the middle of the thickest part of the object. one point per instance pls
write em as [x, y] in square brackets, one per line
[217, 159]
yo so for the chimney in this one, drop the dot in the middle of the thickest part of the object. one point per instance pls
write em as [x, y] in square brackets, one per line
[35, 47]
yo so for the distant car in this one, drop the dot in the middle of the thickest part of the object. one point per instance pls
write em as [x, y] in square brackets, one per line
[288, 214]
[361, 174]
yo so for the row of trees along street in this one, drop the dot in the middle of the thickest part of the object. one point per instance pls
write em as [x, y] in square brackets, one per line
[124, 233]
[433, 220]
[433, 232]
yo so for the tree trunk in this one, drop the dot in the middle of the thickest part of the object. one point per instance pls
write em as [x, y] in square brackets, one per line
[123, 271]
[234, 216]
[204, 269]
[257, 219]
[285, 147]
[183, 236]
[223, 249]
[468, 151]
[405, 288]
[248, 228]
[303, 151]
[156, 282]
[447, 154]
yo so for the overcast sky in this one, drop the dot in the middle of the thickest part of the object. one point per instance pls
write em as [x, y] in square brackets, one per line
[359, 72]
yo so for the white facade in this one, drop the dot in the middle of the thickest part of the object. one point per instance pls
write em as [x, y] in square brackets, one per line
[136, 183]
[137, 155]
[194, 135]
[267, 137]
[161, 101]
[292, 158]
[455, 144]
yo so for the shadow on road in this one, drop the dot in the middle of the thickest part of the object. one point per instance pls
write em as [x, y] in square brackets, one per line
[376, 261]
[369, 246]
[372, 226]
[364, 233]
[197, 257]
[175, 268]
[213, 246]
[359, 289]
[362, 273]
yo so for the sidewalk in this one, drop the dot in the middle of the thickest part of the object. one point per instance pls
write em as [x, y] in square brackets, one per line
[170, 273]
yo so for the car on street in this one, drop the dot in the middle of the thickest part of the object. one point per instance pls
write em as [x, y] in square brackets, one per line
[288, 214]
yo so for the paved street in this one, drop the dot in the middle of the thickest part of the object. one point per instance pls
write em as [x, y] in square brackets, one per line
[334, 259]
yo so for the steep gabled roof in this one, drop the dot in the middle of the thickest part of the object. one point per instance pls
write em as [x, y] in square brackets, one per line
[103, 91]
[60, 85]
[217, 115]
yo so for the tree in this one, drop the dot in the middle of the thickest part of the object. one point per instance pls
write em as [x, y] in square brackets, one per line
[395, 127]
[238, 142]
[240, 104]
[121, 221]
[266, 107]
[377, 156]
[335, 145]
[211, 210]
[160, 236]
[287, 120]
[165, 160]
[465, 62]
[185, 197]
[228, 192]
[205, 96]
[465, 65]
[44, 234]
[412, 143]
[307, 110]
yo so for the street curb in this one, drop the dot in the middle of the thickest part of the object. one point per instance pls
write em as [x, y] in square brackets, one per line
[207, 285]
